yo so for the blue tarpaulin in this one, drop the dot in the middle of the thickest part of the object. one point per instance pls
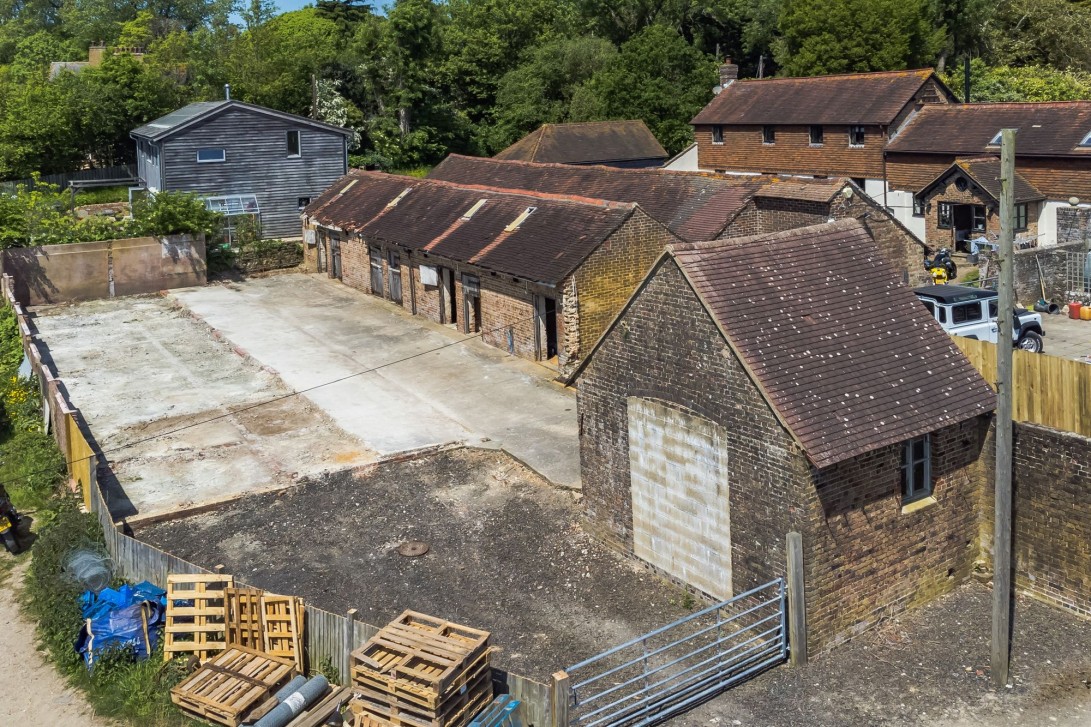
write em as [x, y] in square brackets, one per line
[130, 617]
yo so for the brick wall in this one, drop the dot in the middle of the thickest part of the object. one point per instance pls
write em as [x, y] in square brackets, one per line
[912, 172]
[1036, 267]
[270, 255]
[1055, 178]
[865, 558]
[945, 237]
[1051, 509]
[608, 277]
[667, 348]
[743, 151]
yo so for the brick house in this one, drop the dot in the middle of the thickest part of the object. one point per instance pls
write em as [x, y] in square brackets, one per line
[1052, 151]
[961, 207]
[702, 206]
[822, 126]
[537, 275]
[622, 144]
[785, 382]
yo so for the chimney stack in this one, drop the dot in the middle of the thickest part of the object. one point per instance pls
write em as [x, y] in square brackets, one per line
[729, 73]
[227, 91]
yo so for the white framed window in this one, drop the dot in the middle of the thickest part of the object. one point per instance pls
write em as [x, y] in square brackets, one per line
[856, 136]
[292, 140]
[917, 469]
[211, 156]
[717, 134]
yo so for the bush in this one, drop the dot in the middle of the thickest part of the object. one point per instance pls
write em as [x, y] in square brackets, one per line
[11, 344]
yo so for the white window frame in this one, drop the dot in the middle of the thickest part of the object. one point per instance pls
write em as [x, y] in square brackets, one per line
[863, 136]
[912, 491]
[222, 158]
[298, 143]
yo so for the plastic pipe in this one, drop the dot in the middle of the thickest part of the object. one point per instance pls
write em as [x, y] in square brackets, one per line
[295, 703]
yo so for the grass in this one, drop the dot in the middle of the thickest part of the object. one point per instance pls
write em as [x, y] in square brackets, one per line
[102, 195]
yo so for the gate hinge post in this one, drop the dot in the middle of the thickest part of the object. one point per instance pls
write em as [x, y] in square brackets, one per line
[560, 698]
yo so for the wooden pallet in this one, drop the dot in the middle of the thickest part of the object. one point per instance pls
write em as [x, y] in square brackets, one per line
[282, 627]
[195, 615]
[316, 715]
[243, 617]
[459, 712]
[420, 658]
[231, 685]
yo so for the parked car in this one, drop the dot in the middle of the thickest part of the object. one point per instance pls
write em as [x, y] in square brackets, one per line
[971, 312]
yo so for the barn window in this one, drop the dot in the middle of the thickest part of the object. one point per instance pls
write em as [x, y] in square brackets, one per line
[917, 469]
[208, 156]
[293, 143]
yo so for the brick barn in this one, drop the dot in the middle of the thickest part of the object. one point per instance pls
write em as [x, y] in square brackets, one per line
[785, 382]
[538, 275]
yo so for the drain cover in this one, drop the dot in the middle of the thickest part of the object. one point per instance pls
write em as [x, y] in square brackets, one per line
[413, 548]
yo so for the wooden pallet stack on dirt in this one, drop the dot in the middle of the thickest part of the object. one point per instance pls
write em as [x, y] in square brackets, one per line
[232, 686]
[420, 671]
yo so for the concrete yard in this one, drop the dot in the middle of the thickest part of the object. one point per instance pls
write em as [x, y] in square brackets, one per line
[312, 330]
[1067, 338]
[506, 555]
[138, 367]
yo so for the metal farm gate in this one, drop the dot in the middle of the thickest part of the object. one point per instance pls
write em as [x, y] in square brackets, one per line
[669, 670]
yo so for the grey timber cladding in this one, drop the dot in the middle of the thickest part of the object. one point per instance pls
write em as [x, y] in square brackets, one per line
[256, 162]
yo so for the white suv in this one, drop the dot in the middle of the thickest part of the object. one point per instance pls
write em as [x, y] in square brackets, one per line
[971, 312]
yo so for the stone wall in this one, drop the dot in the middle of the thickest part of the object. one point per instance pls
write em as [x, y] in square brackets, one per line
[1074, 226]
[1035, 267]
[270, 255]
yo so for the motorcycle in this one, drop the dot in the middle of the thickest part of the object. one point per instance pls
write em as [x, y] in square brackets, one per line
[9, 523]
[942, 267]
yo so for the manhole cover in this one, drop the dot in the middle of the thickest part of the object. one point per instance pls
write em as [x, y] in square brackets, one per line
[413, 548]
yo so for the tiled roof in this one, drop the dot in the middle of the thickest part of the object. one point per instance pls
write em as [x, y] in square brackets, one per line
[695, 206]
[985, 172]
[1045, 129]
[435, 217]
[587, 143]
[811, 190]
[845, 353]
[852, 98]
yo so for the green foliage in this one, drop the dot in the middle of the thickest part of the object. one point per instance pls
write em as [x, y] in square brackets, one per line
[839, 36]
[1053, 33]
[11, 345]
[174, 213]
[102, 195]
[1031, 83]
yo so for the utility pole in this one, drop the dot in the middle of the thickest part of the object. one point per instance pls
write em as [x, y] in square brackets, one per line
[1001, 635]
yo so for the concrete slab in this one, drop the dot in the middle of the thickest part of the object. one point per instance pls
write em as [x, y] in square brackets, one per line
[167, 404]
[1067, 338]
[433, 386]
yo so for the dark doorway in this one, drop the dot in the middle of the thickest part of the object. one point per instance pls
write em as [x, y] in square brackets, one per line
[968, 221]
[375, 255]
[448, 311]
[471, 303]
[546, 309]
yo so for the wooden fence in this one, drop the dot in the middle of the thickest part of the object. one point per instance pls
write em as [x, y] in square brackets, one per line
[1047, 390]
[330, 637]
[123, 175]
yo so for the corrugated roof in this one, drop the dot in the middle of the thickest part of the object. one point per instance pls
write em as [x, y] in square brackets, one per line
[985, 172]
[851, 98]
[586, 143]
[846, 354]
[1045, 129]
[432, 216]
[176, 120]
[694, 205]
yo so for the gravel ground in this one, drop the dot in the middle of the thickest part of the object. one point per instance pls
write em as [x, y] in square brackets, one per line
[506, 555]
[928, 667]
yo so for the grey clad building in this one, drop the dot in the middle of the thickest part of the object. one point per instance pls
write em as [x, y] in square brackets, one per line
[245, 160]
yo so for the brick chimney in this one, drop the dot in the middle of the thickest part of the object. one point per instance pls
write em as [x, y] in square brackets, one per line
[729, 73]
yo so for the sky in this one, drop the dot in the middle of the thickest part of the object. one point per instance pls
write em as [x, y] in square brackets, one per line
[286, 5]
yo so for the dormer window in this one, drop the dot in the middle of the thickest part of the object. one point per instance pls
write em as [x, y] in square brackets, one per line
[1086, 140]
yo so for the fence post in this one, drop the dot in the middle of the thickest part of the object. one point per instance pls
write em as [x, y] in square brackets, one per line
[348, 642]
[559, 699]
[797, 603]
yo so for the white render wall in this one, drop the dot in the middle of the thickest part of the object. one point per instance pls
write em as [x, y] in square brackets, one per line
[681, 509]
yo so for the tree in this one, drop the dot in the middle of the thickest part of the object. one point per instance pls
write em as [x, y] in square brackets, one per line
[841, 36]
[1041, 32]
[656, 77]
[1029, 83]
[540, 90]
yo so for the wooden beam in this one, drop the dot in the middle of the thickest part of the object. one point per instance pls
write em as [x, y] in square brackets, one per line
[797, 602]
[559, 698]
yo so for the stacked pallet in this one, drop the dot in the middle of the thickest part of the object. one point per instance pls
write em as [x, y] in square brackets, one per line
[419, 671]
[233, 685]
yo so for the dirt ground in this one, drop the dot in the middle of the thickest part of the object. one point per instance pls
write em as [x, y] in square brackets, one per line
[140, 366]
[928, 667]
[31, 691]
[506, 555]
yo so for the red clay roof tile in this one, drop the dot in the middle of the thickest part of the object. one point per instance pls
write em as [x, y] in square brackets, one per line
[593, 142]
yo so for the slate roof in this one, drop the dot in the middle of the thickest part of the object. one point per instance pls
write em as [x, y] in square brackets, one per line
[549, 244]
[850, 98]
[1045, 129]
[180, 119]
[693, 205]
[985, 172]
[592, 142]
[846, 354]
